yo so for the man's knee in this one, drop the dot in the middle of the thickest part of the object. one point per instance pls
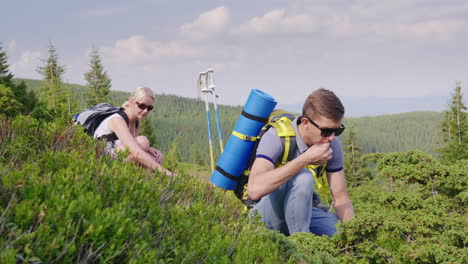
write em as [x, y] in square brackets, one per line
[303, 181]
[143, 142]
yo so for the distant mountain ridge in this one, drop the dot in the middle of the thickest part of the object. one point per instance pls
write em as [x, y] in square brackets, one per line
[375, 106]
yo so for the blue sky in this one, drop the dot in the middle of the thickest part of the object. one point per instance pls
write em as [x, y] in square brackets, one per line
[399, 48]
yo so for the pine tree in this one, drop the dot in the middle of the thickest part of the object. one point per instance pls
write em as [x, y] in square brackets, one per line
[21, 91]
[355, 168]
[147, 129]
[42, 113]
[57, 97]
[173, 158]
[26, 100]
[5, 75]
[8, 104]
[196, 156]
[97, 80]
[454, 129]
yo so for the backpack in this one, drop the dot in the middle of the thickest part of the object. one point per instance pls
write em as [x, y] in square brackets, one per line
[281, 120]
[91, 118]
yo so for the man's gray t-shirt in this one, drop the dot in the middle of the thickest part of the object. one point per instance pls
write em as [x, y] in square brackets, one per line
[271, 148]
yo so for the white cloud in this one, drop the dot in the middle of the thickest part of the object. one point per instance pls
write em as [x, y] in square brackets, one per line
[277, 21]
[208, 23]
[11, 46]
[265, 24]
[405, 11]
[301, 22]
[137, 49]
[406, 19]
[101, 12]
[27, 63]
[345, 26]
[149, 68]
[433, 29]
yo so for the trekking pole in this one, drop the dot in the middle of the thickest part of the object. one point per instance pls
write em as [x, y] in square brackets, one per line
[211, 87]
[202, 87]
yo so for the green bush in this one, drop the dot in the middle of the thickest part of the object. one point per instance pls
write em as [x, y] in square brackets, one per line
[415, 213]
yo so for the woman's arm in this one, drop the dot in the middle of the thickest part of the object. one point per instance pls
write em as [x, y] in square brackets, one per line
[119, 127]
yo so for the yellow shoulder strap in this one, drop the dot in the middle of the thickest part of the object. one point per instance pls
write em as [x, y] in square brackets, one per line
[320, 180]
[287, 149]
[278, 113]
[285, 130]
[283, 127]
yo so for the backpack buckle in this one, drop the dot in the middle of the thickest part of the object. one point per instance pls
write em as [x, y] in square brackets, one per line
[244, 137]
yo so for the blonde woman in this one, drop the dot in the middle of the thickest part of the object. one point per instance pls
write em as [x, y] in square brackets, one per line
[137, 107]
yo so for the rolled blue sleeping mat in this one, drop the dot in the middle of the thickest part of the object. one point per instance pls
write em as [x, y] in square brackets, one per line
[234, 160]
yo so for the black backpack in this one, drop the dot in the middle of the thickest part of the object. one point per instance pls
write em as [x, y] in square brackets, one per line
[91, 118]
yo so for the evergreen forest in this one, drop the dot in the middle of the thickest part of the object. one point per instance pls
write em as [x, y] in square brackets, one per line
[62, 200]
[182, 121]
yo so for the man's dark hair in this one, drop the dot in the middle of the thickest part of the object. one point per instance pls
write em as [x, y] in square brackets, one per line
[325, 103]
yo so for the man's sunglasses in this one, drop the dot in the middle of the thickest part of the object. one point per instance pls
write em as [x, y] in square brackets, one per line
[326, 132]
[143, 106]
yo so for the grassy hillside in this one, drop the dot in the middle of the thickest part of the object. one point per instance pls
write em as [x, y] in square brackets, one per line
[63, 201]
[183, 121]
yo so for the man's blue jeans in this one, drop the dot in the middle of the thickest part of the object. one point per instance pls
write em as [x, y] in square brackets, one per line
[289, 208]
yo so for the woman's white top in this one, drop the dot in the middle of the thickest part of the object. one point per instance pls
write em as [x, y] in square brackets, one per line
[103, 129]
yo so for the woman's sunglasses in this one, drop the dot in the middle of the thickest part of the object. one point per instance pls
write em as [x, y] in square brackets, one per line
[326, 132]
[143, 106]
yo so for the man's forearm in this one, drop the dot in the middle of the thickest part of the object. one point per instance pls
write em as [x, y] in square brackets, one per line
[344, 210]
[268, 180]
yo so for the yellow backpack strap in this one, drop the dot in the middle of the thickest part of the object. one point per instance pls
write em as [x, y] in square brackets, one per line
[286, 132]
[287, 149]
[289, 144]
[279, 113]
[244, 137]
[320, 180]
[284, 127]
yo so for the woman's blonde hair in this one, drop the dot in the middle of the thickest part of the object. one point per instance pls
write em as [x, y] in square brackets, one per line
[139, 93]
